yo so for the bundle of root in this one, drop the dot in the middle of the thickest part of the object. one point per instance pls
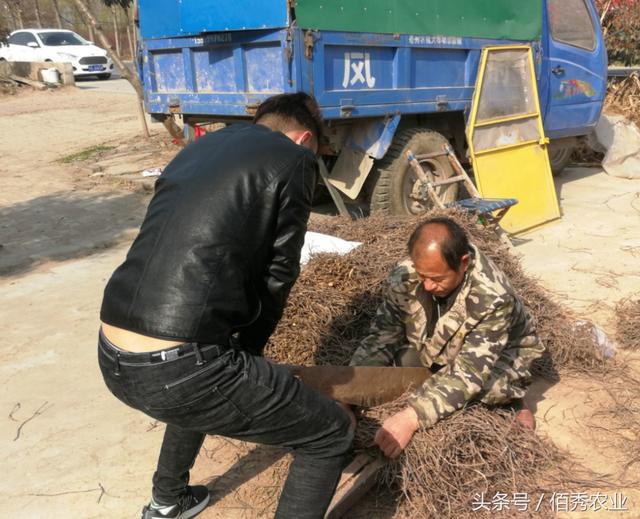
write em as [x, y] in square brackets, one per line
[462, 465]
[474, 451]
[628, 324]
[331, 306]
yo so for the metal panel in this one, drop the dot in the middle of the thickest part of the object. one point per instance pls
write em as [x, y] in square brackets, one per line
[172, 78]
[231, 15]
[170, 18]
[430, 66]
[206, 77]
[358, 68]
[577, 82]
[159, 18]
[264, 68]
[499, 19]
[506, 138]
[214, 69]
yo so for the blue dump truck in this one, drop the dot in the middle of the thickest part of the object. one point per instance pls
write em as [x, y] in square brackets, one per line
[390, 75]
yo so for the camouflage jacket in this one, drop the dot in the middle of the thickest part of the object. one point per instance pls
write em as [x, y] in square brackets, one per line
[483, 328]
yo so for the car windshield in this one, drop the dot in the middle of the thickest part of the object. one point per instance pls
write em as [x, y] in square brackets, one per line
[61, 38]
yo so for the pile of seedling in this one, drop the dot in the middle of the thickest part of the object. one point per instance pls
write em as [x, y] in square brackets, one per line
[476, 450]
[628, 323]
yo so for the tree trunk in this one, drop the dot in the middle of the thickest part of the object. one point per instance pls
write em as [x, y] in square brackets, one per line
[116, 30]
[36, 10]
[130, 33]
[12, 18]
[56, 10]
[130, 76]
[17, 12]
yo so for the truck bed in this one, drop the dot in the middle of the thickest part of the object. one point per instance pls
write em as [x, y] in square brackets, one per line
[226, 74]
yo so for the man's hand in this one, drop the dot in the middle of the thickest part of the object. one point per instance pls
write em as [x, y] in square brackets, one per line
[396, 432]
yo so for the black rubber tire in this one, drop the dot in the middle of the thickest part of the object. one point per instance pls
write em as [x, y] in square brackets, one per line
[392, 176]
[560, 158]
[102, 77]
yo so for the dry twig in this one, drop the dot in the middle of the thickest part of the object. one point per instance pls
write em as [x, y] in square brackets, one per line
[628, 324]
[473, 451]
[38, 412]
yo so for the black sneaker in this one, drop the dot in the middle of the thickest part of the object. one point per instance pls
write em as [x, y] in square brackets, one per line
[189, 505]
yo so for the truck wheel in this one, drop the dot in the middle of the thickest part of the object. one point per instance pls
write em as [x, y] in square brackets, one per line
[560, 157]
[393, 179]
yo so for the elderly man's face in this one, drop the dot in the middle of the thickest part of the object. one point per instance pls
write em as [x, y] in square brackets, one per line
[437, 277]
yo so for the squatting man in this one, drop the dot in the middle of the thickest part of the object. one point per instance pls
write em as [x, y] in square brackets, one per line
[450, 308]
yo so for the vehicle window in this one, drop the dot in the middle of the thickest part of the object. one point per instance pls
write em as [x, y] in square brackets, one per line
[30, 38]
[20, 38]
[571, 23]
[60, 38]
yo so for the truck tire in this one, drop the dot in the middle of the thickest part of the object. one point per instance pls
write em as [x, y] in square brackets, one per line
[559, 157]
[392, 178]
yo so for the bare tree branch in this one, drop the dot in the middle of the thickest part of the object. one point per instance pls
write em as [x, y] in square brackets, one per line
[130, 76]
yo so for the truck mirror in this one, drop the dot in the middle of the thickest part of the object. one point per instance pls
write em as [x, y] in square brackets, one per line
[33, 45]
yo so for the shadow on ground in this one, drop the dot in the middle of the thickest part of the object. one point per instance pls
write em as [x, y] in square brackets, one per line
[65, 225]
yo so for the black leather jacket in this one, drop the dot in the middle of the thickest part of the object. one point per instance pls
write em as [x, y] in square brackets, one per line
[219, 248]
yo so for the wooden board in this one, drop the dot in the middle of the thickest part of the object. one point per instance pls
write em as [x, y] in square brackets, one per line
[357, 479]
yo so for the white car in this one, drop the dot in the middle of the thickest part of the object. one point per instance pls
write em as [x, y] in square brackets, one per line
[61, 46]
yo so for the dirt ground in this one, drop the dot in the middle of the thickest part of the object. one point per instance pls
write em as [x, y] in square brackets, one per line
[71, 449]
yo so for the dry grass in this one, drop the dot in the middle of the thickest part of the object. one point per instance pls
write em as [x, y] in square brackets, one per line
[475, 450]
[332, 304]
[628, 324]
[623, 97]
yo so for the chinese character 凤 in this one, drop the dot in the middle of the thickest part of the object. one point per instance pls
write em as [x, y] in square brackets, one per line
[360, 64]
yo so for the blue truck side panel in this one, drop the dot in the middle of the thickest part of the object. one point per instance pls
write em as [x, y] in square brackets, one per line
[171, 18]
[351, 75]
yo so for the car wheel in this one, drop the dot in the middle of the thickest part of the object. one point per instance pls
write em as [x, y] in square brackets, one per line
[394, 181]
[560, 158]
[104, 76]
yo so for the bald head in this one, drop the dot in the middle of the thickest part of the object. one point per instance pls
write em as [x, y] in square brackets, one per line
[439, 249]
[440, 235]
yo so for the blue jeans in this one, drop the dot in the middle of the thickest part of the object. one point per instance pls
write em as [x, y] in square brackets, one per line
[211, 389]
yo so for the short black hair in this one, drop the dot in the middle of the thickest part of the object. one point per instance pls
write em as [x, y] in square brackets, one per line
[453, 248]
[285, 112]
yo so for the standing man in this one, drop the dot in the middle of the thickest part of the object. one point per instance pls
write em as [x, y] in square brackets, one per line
[450, 308]
[186, 316]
